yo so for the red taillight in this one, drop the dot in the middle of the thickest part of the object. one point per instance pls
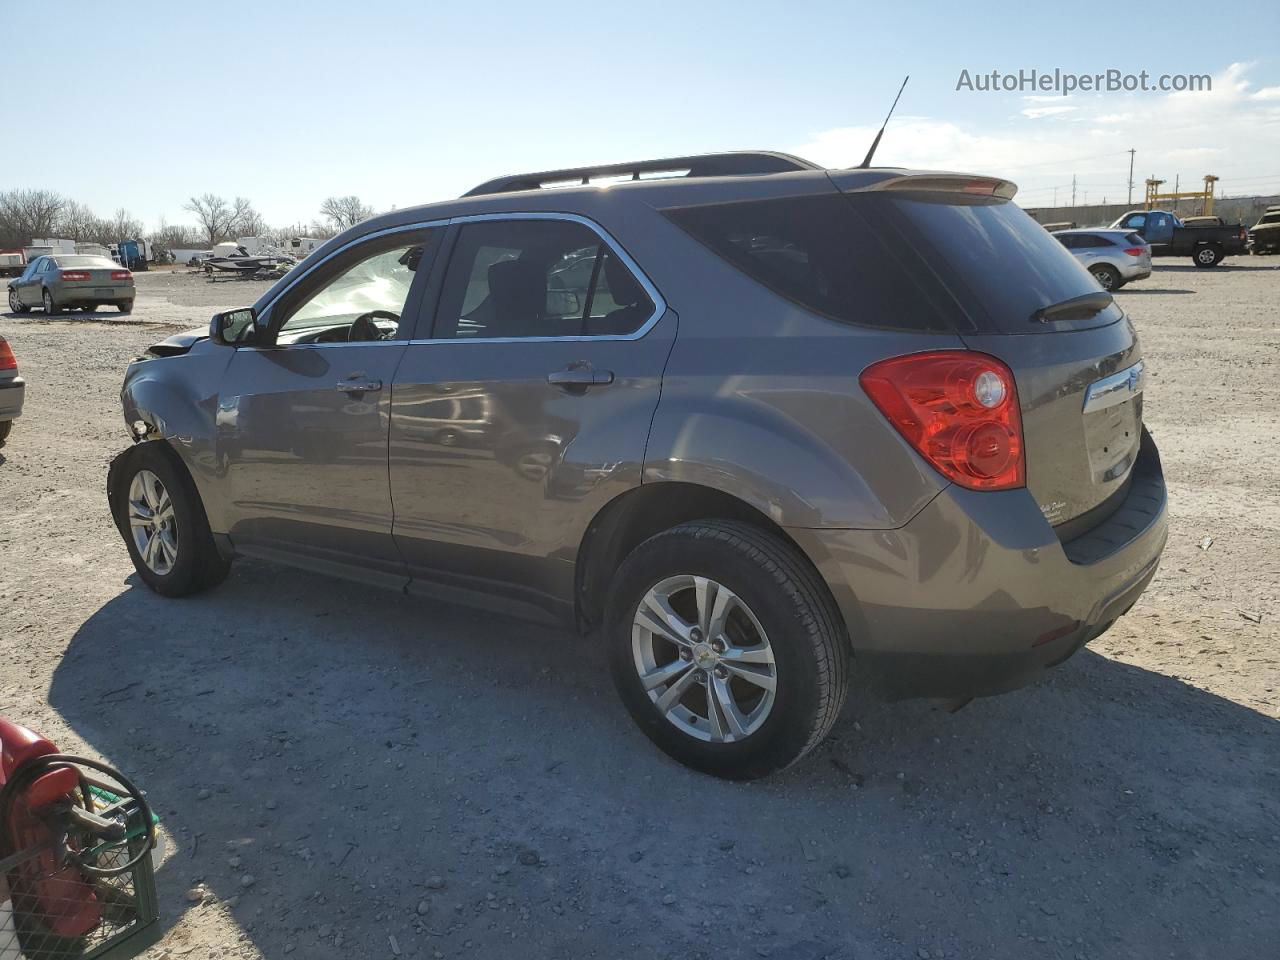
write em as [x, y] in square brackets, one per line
[121, 275]
[960, 412]
[7, 360]
[1135, 251]
[72, 275]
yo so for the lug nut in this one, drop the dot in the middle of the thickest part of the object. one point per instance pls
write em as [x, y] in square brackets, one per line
[722, 673]
[695, 635]
[718, 646]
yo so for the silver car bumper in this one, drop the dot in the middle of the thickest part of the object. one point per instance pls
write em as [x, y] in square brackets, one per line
[12, 392]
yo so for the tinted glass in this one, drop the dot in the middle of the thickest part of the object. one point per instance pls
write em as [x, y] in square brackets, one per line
[819, 253]
[1134, 239]
[1068, 240]
[1000, 264]
[537, 278]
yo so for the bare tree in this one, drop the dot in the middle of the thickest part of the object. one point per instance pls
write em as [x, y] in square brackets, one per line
[77, 222]
[122, 226]
[345, 212]
[246, 221]
[26, 214]
[214, 215]
[176, 236]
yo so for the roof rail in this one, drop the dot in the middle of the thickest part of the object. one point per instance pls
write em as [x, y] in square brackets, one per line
[736, 164]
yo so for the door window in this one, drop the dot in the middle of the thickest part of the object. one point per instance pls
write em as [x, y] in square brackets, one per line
[359, 296]
[538, 278]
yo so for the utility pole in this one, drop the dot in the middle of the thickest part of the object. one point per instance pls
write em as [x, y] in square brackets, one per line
[1131, 153]
[1055, 197]
[1073, 190]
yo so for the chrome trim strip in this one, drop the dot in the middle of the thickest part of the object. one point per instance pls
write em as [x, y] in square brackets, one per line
[323, 346]
[1115, 389]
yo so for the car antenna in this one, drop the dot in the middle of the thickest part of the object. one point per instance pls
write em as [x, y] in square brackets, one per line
[876, 142]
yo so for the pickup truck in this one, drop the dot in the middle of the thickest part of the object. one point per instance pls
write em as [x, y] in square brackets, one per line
[1168, 237]
[1264, 236]
[12, 262]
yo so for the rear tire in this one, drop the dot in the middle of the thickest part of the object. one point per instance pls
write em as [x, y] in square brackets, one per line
[786, 627]
[191, 561]
[125, 307]
[6, 427]
[50, 307]
[88, 307]
[1210, 255]
[1108, 277]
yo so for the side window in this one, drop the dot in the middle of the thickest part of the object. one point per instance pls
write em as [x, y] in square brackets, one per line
[1068, 240]
[357, 296]
[1135, 222]
[537, 278]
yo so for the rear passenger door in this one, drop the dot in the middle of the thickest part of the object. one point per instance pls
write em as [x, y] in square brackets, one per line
[524, 407]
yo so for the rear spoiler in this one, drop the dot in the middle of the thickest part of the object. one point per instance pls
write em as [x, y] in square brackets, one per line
[938, 183]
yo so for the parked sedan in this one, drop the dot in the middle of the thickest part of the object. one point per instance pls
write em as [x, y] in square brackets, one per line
[67, 281]
[12, 389]
[1114, 257]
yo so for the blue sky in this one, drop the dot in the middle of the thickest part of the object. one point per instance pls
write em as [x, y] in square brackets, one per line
[407, 102]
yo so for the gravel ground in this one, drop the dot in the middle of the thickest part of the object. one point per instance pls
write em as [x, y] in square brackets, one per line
[348, 773]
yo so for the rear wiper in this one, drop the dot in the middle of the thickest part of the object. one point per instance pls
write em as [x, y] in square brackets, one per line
[1077, 308]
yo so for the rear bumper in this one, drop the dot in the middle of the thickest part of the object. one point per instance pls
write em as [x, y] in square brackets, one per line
[1135, 271]
[977, 596]
[66, 295]
[12, 392]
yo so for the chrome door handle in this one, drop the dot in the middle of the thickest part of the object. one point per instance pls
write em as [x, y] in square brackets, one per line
[359, 386]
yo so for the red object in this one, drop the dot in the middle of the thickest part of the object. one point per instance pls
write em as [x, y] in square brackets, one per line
[7, 362]
[1134, 251]
[969, 429]
[60, 898]
[72, 275]
[121, 275]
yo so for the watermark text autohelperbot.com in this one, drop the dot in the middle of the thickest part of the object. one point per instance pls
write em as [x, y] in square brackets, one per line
[1065, 83]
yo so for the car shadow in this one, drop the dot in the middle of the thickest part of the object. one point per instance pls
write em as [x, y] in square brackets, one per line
[382, 766]
[1125, 291]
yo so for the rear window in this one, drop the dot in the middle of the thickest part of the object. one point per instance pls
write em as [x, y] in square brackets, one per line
[818, 253]
[919, 261]
[86, 262]
[999, 263]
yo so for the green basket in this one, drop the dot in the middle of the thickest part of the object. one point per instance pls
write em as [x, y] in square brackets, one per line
[129, 916]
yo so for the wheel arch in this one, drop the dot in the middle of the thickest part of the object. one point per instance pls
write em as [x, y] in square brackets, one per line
[632, 517]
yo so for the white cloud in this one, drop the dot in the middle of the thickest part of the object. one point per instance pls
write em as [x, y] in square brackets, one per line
[1035, 113]
[1227, 131]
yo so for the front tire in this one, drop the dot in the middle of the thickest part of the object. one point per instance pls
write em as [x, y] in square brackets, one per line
[158, 512]
[1209, 255]
[727, 648]
[16, 305]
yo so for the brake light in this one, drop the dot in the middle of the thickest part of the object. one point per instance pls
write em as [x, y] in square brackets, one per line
[959, 410]
[121, 275]
[7, 360]
[72, 275]
[1134, 251]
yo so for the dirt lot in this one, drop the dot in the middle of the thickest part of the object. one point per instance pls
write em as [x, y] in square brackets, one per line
[356, 774]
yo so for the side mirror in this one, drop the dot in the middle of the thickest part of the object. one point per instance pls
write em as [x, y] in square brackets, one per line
[233, 327]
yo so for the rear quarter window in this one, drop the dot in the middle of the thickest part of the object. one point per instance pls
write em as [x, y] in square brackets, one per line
[817, 252]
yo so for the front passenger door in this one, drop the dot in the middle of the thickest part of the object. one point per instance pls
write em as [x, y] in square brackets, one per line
[303, 413]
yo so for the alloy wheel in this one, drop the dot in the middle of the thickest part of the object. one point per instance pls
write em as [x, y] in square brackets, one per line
[152, 523]
[704, 659]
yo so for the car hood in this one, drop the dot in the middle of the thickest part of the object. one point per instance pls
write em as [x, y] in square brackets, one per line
[179, 343]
